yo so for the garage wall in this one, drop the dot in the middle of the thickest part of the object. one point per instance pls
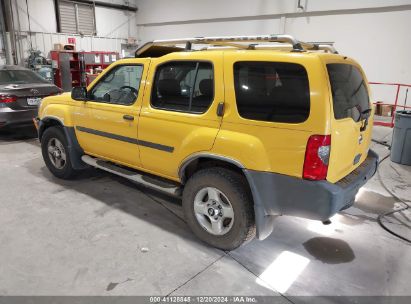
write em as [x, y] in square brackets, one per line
[160, 11]
[115, 23]
[110, 23]
[379, 41]
[357, 28]
[113, 27]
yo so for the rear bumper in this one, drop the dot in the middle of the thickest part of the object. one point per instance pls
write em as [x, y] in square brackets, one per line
[276, 194]
[10, 117]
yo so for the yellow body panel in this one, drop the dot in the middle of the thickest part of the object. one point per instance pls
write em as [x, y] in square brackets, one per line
[345, 134]
[57, 107]
[109, 118]
[270, 146]
[186, 133]
[257, 145]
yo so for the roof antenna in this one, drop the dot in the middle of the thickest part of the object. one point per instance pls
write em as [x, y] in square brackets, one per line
[188, 46]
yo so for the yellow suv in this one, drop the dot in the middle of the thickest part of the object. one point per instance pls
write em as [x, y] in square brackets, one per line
[244, 129]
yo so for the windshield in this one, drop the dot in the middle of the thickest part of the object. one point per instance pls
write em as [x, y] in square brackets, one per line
[20, 77]
[349, 90]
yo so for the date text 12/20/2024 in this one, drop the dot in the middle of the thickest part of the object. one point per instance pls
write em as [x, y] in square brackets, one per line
[204, 299]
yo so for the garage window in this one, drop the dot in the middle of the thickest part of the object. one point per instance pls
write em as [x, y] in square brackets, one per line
[272, 91]
[76, 18]
[185, 86]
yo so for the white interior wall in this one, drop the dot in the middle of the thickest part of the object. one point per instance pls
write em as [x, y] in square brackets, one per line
[2, 54]
[358, 28]
[218, 28]
[115, 23]
[362, 36]
[160, 11]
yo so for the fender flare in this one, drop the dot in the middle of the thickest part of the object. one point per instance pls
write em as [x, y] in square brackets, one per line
[263, 221]
[76, 152]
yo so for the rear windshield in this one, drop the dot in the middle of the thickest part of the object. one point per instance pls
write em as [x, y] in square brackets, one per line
[272, 91]
[349, 91]
[20, 77]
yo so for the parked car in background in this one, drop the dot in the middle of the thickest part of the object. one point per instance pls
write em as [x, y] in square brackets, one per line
[21, 91]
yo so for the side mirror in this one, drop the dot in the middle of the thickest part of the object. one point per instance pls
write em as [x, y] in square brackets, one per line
[79, 93]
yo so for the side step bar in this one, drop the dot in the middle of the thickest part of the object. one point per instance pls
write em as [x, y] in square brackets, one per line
[146, 180]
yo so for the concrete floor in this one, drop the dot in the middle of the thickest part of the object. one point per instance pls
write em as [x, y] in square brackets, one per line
[102, 235]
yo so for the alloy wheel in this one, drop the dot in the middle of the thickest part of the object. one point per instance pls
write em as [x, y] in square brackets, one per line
[213, 211]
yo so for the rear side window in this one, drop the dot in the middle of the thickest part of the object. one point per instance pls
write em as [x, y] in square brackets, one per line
[272, 91]
[185, 86]
[349, 91]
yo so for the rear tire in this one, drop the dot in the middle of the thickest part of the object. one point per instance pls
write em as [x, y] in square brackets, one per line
[56, 153]
[218, 208]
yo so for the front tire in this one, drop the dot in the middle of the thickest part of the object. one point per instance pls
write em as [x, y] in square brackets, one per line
[218, 208]
[56, 153]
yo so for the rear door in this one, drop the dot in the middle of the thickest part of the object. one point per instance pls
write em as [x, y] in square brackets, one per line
[351, 121]
[179, 113]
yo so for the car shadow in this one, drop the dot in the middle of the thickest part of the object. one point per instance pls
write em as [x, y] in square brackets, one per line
[117, 193]
[18, 134]
[164, 211]
[291, 237]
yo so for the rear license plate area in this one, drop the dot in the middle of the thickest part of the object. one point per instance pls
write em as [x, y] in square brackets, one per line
[33, 101]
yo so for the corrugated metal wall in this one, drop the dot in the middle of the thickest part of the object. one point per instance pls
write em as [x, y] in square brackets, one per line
[77, 18]
[85, 19]
[45, 42]
[68, 22]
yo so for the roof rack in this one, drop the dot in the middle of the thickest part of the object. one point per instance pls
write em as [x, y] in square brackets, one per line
[242, 42]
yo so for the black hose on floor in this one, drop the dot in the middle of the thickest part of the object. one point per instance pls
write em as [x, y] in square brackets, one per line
[383, 143]
[381, 216]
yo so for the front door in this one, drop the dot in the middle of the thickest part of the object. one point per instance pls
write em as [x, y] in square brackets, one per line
[179, 113]
[106, 124]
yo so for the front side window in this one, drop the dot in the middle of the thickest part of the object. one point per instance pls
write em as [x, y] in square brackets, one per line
[183, 86]
[349, 91]
[118, 86]
[272, 91]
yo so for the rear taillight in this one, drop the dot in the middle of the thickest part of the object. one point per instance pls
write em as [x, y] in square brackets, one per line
[317, 155]
[7, 98]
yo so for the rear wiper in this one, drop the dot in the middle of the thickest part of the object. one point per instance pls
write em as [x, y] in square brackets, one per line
[365, 115]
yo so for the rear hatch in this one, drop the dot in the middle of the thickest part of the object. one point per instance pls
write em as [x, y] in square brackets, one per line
[351, 121]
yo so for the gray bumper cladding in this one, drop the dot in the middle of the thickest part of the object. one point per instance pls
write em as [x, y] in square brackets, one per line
[277, 194]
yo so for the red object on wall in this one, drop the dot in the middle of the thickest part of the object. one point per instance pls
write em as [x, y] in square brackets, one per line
[71, 40]
[73, 69]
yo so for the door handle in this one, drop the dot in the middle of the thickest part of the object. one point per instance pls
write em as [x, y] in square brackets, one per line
[128, 117]
[220, 109]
